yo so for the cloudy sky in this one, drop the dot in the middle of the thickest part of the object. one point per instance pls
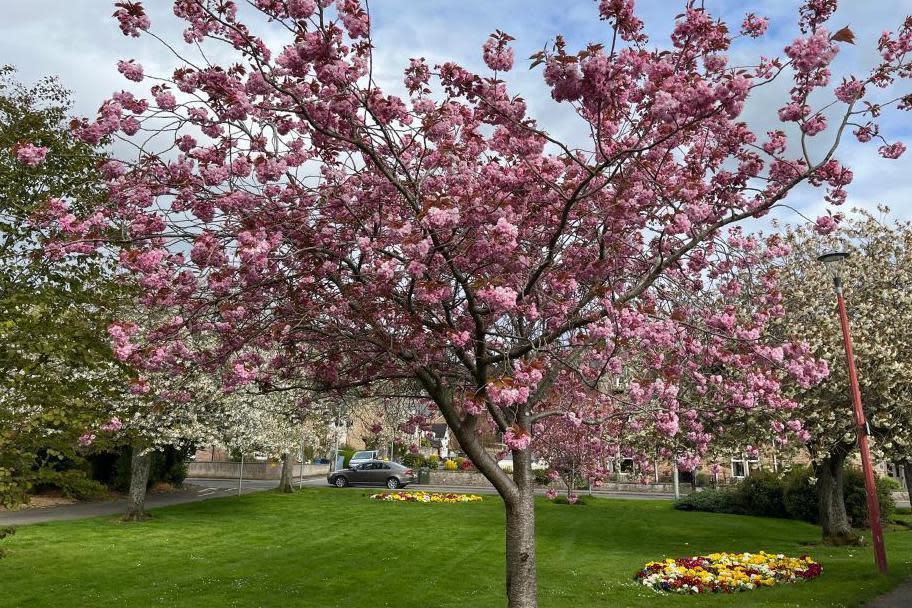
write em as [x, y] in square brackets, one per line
[79, 41]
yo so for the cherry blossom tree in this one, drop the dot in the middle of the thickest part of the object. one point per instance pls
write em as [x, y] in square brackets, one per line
[574, 451]
[281, 202]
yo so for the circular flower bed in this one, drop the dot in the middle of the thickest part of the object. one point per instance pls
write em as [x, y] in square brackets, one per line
[448, 497]
[726, 572]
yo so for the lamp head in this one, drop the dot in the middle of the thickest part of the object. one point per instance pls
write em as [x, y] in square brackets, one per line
[833, 260]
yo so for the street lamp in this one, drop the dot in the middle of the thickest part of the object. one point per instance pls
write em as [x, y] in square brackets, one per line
[834, 263]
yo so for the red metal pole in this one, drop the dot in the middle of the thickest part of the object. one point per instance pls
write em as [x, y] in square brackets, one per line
[880, 554]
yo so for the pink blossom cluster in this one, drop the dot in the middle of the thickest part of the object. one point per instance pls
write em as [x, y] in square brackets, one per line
[31, 155]
[826, 224]
[131, 70]
[620, 13]
[132, 18]
[113, 425]
[516, 438]
[754, 26]
[894, 150]
[121, 335]
[812, 52]
[497, 55]
[500, 299]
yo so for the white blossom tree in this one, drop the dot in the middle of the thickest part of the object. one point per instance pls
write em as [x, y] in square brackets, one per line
[876, 282]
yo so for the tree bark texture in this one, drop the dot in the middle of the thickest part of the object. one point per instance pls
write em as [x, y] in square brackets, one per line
[834, 521]
[520, 533]
[140, 464]
[286, 483]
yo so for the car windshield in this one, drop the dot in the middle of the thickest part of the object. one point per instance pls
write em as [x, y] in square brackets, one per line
[362, 456]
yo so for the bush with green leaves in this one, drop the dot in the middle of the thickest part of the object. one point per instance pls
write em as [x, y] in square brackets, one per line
[415, 461]
[719, 500]
[799, 495]
[792, 495]
[856, 498]
[541, 477]
[761, 494]
[73, 483]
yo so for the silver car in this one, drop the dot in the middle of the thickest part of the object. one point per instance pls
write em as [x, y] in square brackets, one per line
[373, 472]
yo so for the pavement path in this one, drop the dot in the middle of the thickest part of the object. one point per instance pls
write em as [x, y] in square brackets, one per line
[204, 489]
[194, 492]
[901, 597]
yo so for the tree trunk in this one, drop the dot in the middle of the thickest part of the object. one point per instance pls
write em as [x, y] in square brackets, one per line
[286, 484]
[140, 463]
[521, 576]
[517, 494]
[907, 475]
[834, 520]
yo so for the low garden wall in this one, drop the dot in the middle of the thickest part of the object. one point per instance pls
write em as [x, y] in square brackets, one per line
[252, 470]
[476, 479]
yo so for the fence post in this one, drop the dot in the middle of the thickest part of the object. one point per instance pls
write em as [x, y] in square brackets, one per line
[241, 474]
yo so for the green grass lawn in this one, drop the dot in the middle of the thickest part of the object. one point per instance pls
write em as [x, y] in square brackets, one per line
[327, 548]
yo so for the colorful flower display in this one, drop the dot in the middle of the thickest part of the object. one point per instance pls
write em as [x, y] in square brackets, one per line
[443, 497]
[726, 572]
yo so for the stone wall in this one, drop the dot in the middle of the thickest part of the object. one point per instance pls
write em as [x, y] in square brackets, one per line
[459, 478]
[475, 479]
[252, 470]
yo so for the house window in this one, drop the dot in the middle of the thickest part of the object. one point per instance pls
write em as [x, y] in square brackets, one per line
[742, 466]
[627, 465]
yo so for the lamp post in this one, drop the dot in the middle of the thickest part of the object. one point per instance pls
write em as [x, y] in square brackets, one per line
[833, 262]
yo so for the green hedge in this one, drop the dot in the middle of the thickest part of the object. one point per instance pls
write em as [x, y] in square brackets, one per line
[74, 483]
[417, 461]
[791, 496]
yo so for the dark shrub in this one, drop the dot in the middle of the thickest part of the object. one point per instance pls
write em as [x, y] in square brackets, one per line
[169, 465]
[761, 494]
[711, 500]
[800, 496]
[856, 498]
[704, 480]
[791, 496]
[74, 483]
[415, 461]
[563, 500]
[541, 477]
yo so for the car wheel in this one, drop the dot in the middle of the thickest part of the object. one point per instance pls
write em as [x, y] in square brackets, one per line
[392, 483]
[340, 482]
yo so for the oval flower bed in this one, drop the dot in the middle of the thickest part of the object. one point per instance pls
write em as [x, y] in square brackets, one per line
[726, 572]
[447, 497]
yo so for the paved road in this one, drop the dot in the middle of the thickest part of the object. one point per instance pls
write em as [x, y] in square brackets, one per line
[194, 492]
[204, 489]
